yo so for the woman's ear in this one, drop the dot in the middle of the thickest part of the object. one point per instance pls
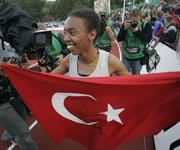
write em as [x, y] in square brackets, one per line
[92, 35]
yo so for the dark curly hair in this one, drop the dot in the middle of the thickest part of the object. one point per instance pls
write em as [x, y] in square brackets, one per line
[91, 18]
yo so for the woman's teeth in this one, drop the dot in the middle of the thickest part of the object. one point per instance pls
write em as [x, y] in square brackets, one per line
[69, 46]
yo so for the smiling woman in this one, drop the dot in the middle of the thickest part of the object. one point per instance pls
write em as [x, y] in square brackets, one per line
[81, 29]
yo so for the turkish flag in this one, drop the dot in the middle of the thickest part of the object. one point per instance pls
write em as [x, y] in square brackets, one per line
[100, 113]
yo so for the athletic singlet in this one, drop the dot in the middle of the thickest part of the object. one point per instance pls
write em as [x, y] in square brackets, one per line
[101, 69]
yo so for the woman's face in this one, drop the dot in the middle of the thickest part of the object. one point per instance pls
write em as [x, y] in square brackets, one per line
[77, 37]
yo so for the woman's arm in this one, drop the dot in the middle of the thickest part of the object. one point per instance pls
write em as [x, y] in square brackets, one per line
[63, 67]
[116, 66]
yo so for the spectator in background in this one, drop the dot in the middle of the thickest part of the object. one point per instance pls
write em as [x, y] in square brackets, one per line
[158, 27]
[177, 10]
[168, 36]
[153, 17]
[135, 34]
[176, 15]
[146, 16]
[106, 35]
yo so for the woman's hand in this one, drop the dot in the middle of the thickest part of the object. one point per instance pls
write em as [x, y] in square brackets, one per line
[60, 58]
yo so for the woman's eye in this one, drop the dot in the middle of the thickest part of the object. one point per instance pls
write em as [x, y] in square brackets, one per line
[73, 33]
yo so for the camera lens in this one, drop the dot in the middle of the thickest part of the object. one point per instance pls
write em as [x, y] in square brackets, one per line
[40, 38]
[134, 24]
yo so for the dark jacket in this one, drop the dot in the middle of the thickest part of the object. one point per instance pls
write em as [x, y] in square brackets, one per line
[168, 37]
[144, 35]
[4, 90]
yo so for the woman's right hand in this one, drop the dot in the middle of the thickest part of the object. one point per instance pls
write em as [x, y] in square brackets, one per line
[60, 58]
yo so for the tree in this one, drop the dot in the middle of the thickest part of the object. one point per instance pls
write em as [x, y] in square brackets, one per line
[60, 8]
[33, 7]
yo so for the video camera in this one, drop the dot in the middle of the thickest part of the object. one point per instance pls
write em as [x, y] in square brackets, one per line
[21, 32]
[41, 39]
[103, 17]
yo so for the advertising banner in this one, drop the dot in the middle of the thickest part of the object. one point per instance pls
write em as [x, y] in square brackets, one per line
[168, 139]
[102, 6]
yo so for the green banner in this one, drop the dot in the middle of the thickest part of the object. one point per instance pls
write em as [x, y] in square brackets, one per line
[155, 2]
[136, 5]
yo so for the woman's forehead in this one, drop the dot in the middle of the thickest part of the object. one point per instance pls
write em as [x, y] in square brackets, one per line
[74, 22]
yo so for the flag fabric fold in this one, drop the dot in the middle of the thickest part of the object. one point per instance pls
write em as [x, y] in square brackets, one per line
[99, 113]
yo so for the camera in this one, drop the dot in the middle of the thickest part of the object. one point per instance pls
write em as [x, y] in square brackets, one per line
[41, 39]
[103, 17]
[133, 24]
[21, 32]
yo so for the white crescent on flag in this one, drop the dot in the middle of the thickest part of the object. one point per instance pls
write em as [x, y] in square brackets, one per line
[58, 104]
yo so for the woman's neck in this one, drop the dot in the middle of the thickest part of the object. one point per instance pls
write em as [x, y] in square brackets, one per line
[88, 57]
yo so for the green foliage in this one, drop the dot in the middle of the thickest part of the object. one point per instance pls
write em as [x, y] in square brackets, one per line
[58, 10]
[61, 8]
[33, 7]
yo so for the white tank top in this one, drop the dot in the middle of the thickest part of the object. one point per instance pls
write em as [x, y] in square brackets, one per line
[101, 69]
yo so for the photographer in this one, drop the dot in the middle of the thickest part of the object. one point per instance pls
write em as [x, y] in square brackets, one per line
[10, 119]
[106, 36]
[135, 34]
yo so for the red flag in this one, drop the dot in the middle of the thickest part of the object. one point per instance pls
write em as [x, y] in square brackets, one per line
[100, 113]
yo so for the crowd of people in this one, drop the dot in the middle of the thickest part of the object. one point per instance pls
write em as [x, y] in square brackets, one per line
[88, 37]
[160, 23]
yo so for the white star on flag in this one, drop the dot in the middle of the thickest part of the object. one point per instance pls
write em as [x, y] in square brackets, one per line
[113, 114]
